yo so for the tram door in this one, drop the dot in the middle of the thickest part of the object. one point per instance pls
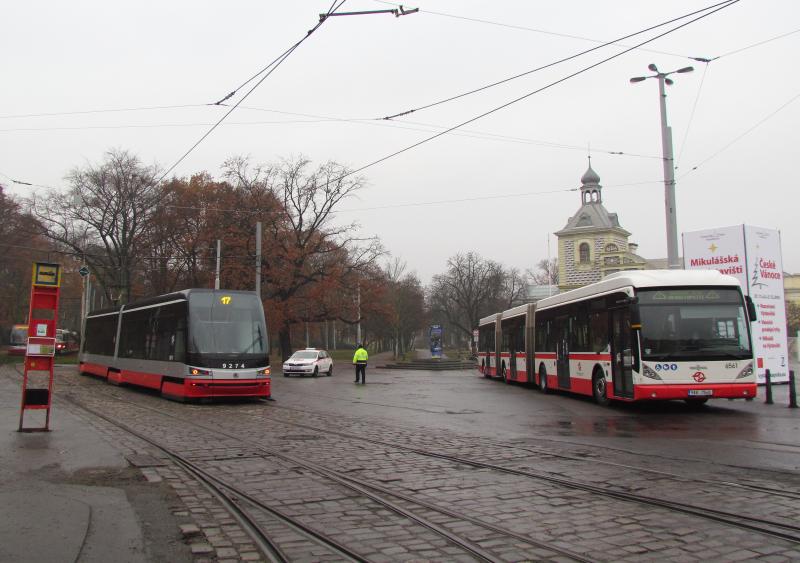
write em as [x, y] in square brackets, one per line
[621, 352]
[562, 352]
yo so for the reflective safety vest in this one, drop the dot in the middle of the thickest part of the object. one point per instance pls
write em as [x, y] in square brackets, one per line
[360, 357]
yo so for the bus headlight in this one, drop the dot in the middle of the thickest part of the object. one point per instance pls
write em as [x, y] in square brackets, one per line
[746, 372]
[262, 372]
[647, 371]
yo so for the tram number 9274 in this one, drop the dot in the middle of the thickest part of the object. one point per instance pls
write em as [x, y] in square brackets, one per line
[233, 365]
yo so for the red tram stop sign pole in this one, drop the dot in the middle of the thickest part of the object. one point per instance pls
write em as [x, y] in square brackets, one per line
[41, 348]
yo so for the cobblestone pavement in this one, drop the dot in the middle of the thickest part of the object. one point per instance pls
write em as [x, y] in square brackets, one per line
[270, 451]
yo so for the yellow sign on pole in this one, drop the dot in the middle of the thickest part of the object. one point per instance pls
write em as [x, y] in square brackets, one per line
[46, 274]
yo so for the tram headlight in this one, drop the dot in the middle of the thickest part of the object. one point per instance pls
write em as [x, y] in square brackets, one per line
[262, 372]
[198, 371]
[647, 371]
[746, 372]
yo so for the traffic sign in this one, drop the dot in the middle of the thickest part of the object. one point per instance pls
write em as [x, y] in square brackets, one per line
[84, 271]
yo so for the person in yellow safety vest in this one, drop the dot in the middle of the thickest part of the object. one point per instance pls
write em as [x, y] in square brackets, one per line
[360, 361]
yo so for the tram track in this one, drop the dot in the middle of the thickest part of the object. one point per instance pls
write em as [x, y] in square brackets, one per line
[538, 451]
[763, 526]
[375, 492]
[772, 528]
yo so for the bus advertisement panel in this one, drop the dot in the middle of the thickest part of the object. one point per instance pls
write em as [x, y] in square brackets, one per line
[753, 256]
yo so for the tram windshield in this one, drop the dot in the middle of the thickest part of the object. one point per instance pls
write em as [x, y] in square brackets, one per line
[19, 335]
[688, 324]
[226, 323]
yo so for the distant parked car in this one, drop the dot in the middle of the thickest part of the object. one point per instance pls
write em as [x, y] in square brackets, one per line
[309, 361]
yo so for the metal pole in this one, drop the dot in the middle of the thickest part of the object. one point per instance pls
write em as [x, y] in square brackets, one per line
[219, 251]
[768, 384]
[358, 300]
[258, 259]
[669, 179]
[792, 391]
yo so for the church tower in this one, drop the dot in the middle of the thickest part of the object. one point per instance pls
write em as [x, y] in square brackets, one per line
[593, 244]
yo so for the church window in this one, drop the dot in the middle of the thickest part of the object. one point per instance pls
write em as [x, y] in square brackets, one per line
[583, 251]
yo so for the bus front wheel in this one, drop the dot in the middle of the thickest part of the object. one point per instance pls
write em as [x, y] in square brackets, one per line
[599, 388]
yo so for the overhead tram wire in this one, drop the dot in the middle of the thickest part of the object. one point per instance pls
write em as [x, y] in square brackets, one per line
[744, 134]
[691, 116]
[719, 5]
[107, 110]
[272, 67]
[315, 119]
[532, 29]
[419, 203]
[274, 61]
[538, 90]
[179, 106]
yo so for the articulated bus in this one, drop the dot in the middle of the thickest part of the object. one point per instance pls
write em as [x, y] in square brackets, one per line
[192, 344]
[640, 335]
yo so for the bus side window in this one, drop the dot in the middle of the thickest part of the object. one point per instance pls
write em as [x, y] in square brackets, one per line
[599, 332]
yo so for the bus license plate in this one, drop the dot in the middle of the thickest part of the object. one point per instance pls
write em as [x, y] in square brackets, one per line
[700, 392]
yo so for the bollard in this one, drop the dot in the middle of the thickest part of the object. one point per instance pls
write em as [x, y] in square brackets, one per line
[768, 388]
[792, 391]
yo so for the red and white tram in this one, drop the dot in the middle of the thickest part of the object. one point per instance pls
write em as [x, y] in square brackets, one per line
[640, 335]
[196, 343]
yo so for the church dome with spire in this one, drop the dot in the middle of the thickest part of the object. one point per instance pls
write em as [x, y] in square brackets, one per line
[593, 244]
[590, 176]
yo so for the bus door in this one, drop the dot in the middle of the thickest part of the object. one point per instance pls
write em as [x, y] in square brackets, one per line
[562, 352]
[621, 352]
[512, 348]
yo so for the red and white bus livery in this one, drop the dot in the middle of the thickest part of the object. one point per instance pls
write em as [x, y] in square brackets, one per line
[192, 344]
[640, 335]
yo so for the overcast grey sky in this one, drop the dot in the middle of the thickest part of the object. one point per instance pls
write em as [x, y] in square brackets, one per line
[322, 103]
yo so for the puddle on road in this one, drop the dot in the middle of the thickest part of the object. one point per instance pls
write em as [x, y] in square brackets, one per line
[650, 425]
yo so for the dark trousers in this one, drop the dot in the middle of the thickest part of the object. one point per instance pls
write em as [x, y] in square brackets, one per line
[362, 369]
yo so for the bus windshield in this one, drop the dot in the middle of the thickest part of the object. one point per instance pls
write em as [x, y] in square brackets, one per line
[689, 324]
[226, 323]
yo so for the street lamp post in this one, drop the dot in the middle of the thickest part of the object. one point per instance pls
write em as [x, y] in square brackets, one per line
[669, 161]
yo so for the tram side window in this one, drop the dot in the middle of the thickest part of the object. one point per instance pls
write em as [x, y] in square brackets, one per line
[157, 333]
[134, 334]
[169, 334]
[101, 334]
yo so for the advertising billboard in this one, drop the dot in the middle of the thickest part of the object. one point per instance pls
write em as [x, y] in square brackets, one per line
[753, 256]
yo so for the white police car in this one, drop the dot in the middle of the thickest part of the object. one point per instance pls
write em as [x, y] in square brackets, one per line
[308, 362]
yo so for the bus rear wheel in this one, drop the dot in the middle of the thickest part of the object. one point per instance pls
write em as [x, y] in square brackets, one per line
[600, 389]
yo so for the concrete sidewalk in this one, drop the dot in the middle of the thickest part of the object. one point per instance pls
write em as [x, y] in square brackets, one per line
[55, 502]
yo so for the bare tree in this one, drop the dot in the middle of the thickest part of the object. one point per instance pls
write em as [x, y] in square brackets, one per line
[308, 250]
[471, 287]
[515, 288]
[103, 216]
[546, 272]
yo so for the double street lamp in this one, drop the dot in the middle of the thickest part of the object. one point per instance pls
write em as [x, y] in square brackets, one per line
[669, 162]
